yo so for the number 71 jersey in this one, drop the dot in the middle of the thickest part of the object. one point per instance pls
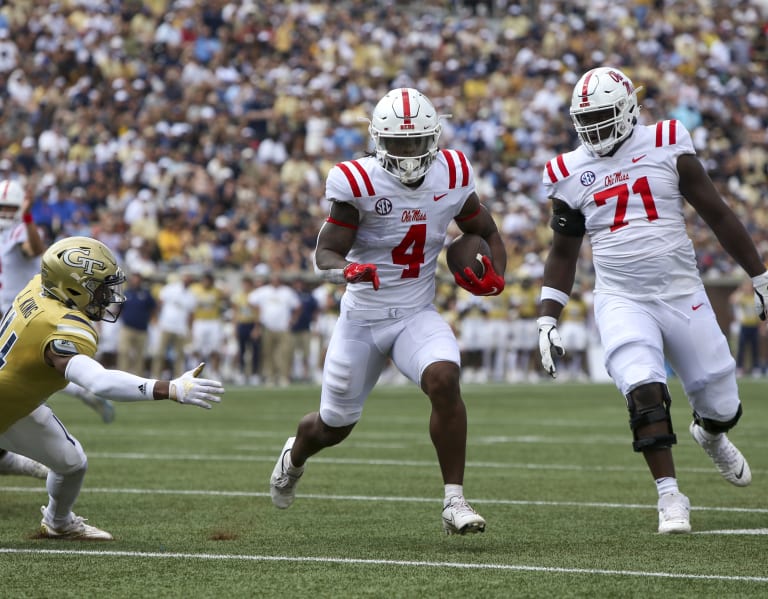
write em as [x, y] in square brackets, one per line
[633, 212]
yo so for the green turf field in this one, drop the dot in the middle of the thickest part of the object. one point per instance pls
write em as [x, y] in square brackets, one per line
[570, 508]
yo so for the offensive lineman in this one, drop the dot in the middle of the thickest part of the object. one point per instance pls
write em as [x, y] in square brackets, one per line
[388, 221]
[47, 339]
[624, 187]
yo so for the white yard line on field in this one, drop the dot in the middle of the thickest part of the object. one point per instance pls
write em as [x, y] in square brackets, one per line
[380, 562]
[380, 499]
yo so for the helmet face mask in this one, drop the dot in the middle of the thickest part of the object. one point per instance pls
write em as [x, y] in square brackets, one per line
[604, 109]
[405, 128]
[11, 199]
[82, 273]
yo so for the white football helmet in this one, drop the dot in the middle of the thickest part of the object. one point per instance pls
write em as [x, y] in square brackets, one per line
[82, 273]
[604, 109]
[405, 128]
[11, 199]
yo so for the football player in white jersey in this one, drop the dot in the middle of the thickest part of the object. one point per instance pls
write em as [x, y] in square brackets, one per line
[388, 221]
[47, 339]
[625, 186]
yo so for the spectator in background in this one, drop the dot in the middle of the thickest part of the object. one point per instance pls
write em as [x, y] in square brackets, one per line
[139, 310]
[174, 323]
[302, 331]
[248, 333]
[748, 326]
[575, 336]
[208, 323]
[277, 307]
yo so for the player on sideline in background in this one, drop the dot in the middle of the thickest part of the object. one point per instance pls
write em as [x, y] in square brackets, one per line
[388, 220]
[624, 186]
[47, 339]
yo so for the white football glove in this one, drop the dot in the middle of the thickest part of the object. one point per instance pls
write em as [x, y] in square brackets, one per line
[550, 344]
[760, 284]
[192, 390]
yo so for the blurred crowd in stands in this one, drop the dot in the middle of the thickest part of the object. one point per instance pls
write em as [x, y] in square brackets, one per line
[195, 136]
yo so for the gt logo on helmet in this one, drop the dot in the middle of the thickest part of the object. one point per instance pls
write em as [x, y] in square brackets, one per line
[79, 257]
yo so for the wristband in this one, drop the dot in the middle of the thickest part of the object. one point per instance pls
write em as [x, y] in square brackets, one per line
[555, 295]
[333, 275]
[546, 321]
[760, 279]
[27, 218]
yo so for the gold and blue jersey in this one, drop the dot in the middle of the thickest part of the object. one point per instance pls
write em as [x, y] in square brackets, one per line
[33, 322]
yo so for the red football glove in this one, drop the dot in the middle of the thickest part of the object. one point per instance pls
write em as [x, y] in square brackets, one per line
[362, 273]
[490, 284]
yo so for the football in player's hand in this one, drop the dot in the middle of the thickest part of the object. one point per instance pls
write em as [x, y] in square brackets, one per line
[467, 251]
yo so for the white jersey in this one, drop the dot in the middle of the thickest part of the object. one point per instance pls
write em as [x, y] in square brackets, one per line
[402, 230]
[16, 268]
[633, 212]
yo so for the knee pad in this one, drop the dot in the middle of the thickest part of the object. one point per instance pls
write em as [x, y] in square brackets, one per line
[716, 426]
[644, 409]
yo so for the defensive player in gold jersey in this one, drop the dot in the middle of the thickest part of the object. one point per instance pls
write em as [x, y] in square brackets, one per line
[47, 339]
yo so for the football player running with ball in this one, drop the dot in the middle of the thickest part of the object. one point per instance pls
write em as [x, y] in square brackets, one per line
[388, 220]
[625, 186]
[47, 339]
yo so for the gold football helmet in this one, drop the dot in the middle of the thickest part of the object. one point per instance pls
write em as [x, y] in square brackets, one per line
[82, 273]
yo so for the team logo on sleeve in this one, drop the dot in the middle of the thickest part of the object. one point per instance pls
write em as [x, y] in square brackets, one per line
[383, 206]
[64, 347]
[587, 178]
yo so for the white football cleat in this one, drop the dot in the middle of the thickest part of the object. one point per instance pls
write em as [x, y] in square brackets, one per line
[282, 485]
[674, 514]
[76, 530]
[459, 518]
[727, 458]
[13, 463]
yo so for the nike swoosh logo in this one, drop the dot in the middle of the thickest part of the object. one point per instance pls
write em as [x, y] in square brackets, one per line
[639, 158]
[741, 472]
[437, 198]
[696, 307]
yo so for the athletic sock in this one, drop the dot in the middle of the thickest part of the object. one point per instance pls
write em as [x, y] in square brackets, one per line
[666, 485]
[454, 491]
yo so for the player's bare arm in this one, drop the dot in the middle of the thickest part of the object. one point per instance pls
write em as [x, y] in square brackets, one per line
[336, 236]
[701, 193]
[34, 245]
[560, 267]
[334, 241]
[475, 218]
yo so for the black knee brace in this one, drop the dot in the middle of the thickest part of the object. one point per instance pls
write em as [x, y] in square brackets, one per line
[644, 410]
[717, 426]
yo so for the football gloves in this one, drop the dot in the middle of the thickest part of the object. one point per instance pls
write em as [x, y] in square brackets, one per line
[550, 344]
[362, 273]
[491, 284]
[760, 284]
[191, 390]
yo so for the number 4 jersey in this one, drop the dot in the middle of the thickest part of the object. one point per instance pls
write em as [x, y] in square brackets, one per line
[402, 230]
[633, 212]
